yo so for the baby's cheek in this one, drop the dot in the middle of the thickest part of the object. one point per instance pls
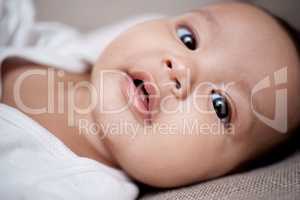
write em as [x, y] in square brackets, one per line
[189, 120]
[161, 161]
[172, 159]
[168, 161]
[262, 106]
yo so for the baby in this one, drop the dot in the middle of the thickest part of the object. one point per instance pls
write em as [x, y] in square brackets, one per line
[220, 53]
[172, 101]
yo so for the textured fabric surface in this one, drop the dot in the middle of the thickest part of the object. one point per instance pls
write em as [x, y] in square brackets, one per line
[279, 181]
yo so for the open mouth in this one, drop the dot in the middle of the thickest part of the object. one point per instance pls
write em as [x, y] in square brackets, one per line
[141, 93]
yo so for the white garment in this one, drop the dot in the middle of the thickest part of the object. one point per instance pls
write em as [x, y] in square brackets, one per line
[34, 164]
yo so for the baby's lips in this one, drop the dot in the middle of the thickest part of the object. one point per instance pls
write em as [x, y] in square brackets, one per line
[150, 86]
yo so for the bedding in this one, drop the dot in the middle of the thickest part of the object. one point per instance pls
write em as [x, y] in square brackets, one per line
[279, 181]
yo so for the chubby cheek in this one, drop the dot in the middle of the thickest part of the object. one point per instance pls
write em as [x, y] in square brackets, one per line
[175, 157]
[111, 113]
[169, 161]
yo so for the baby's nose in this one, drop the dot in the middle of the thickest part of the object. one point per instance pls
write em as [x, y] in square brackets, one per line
[180, 77]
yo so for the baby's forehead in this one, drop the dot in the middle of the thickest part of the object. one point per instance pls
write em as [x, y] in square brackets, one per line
[237, 10]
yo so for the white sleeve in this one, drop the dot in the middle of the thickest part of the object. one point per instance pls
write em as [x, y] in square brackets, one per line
[36, 165]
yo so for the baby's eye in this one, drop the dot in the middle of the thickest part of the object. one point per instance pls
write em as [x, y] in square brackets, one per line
[221, 106]
[187, 37]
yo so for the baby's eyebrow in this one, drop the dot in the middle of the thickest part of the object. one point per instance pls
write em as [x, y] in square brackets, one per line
[206, 14]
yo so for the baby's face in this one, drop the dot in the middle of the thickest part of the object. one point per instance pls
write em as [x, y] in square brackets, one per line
[193, 118]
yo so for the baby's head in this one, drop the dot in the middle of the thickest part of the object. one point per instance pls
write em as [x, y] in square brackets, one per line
[217, 81]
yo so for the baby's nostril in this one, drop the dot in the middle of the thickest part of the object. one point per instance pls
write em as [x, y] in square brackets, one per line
[178, 84]
[138, 82]
[169, 64]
